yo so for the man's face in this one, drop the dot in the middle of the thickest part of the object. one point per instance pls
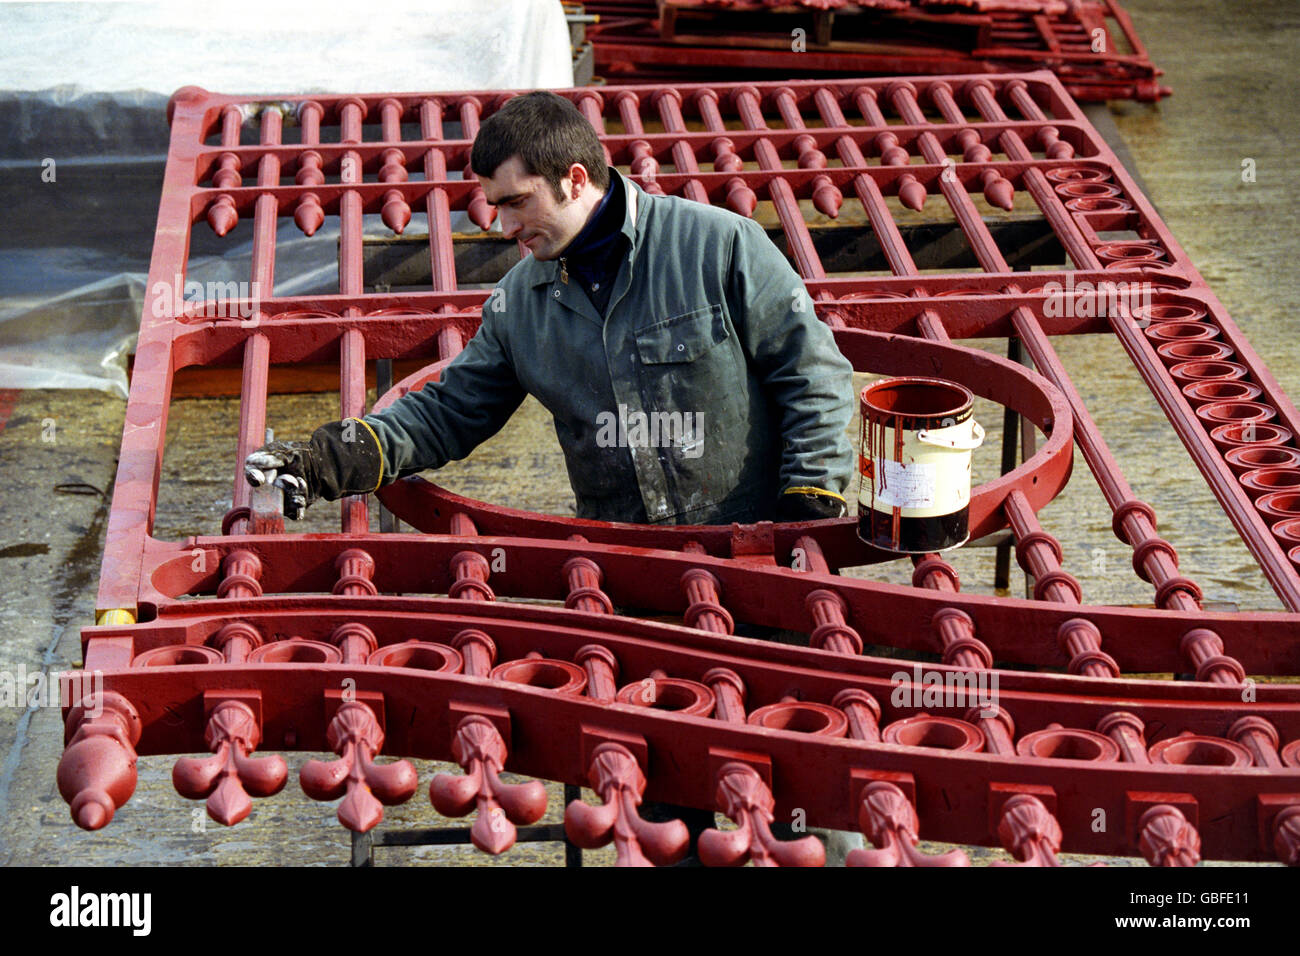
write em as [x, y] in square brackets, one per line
[530, 212]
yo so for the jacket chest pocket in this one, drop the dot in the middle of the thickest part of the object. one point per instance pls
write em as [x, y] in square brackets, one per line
[682, 338]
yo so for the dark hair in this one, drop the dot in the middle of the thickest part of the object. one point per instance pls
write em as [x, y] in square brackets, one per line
[547, 133]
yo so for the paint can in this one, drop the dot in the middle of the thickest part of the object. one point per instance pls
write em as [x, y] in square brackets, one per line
[914, 460]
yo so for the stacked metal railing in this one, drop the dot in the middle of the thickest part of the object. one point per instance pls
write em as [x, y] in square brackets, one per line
[1091, 45]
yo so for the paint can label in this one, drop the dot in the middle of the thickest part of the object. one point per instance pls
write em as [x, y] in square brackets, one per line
[915, 460]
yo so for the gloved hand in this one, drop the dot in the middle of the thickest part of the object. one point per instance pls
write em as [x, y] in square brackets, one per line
[342, 458]
[810, 504]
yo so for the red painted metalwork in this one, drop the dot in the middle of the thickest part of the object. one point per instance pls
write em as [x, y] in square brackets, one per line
[1090, 44]
[368, 644]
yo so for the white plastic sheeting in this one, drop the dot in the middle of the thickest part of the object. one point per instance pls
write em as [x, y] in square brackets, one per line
[240, 46]
[79, 339]
[80, 59]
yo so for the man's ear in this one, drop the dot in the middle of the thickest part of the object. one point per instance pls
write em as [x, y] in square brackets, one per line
[578, 178]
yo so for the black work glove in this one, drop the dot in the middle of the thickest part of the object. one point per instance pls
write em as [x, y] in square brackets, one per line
[810, 504]
[342, 458]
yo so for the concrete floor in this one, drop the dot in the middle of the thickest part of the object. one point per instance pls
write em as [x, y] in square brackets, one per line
[1235, 99]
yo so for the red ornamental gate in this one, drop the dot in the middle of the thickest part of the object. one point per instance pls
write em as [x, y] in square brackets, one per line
[370, 643]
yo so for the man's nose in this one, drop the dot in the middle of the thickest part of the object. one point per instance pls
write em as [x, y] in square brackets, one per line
[510, 223]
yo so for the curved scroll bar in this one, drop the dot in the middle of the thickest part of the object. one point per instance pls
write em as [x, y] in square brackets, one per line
[355, 736]
[670, 693]
[479, 749]
[295, 650]
[745, 798]
[418, 655]
[615, 775]
[230, 774]
[889, 821]
[417, 501]
[802, 716]
[1067, 743]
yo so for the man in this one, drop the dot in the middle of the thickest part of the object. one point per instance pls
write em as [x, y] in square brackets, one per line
[689, 378]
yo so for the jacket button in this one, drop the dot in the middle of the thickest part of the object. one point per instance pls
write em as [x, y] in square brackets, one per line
[556, 293]
[681, 348]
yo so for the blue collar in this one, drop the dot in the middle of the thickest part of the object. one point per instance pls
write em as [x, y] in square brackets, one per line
[544, 273]
[598, 228]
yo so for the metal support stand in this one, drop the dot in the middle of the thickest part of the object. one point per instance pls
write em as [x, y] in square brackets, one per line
[363, 844]
[1028, 446]
[1011, 424]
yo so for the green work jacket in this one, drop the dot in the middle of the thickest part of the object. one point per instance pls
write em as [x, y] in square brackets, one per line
[706, 389]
